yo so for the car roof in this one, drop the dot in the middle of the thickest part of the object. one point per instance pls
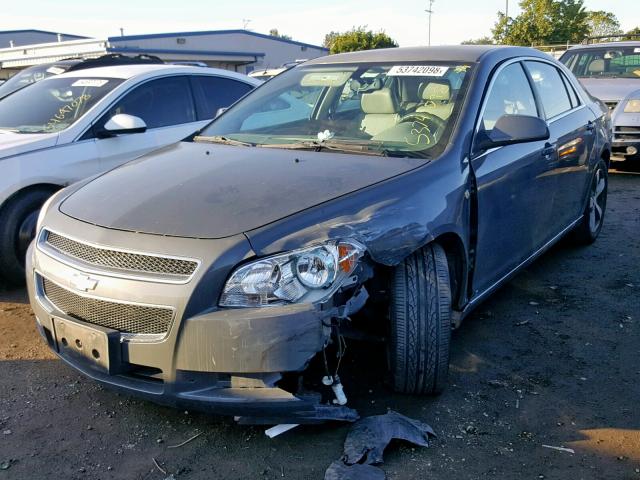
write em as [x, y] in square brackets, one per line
[627, 43]
[454, 53]
[129, 71]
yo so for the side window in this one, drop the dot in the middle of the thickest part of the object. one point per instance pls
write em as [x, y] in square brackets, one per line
[213, 93]
[160, 103]
[551, 89]
[575, 101]
[510, 95]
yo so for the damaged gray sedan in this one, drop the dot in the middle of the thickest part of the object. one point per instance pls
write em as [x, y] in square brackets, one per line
[211, 273]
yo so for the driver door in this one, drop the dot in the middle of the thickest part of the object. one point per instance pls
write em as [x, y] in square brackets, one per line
[515, 191]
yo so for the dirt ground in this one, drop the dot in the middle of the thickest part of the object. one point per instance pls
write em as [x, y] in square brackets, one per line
[552, 359]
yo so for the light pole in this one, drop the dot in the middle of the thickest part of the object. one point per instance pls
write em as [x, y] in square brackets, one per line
[429, 11]
[506, 9]
[245, 23]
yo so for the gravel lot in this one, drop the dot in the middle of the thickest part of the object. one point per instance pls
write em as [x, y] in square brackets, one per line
[552, 359]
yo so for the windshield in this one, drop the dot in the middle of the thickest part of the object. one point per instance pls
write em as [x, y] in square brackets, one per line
[605, 62]
[28, 76]
[52, 105]
[388, 109]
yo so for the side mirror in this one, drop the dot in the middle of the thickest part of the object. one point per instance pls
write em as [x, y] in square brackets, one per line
[511, 129]
[123, 124]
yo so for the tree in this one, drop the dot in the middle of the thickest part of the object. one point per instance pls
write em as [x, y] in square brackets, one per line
[602, 24]
[274, 33]
[543, 22]
[357, 39]
[633, 31]
[479, 41]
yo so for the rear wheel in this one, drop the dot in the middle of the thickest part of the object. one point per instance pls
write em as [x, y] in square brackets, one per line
[18, 220]
[593, 216]
[420, 315]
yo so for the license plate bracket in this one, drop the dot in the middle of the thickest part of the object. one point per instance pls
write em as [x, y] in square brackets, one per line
[95, 347]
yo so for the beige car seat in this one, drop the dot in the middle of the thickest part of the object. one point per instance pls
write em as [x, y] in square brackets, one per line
[436, 99]
[380, 109]
[596, 66]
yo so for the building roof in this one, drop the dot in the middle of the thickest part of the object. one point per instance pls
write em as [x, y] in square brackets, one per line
[32, 37]
[212, 32]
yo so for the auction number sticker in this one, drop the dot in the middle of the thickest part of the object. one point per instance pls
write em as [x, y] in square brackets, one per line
[417, 71]
[89, 82]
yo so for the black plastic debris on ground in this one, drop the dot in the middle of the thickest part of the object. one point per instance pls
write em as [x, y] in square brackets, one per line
[366, 441]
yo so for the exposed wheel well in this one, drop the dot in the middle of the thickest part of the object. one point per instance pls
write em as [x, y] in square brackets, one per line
[606, 156]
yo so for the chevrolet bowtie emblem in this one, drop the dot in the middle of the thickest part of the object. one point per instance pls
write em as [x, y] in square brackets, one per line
[83, 282]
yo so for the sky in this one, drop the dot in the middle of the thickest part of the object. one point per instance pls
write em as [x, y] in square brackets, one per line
[406, 21]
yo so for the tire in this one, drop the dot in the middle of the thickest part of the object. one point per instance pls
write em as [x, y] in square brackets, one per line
[590, 226]
[18, 219]
[420, 319]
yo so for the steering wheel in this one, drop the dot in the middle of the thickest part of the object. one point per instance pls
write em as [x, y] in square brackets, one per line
[425, 117]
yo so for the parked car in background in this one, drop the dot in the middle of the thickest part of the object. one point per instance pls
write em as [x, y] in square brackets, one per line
[210, 273]
[81, 123]
[611, 73]
[269, 73]
[31, 75]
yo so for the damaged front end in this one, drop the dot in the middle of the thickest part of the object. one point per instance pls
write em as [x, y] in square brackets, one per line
[231, 337]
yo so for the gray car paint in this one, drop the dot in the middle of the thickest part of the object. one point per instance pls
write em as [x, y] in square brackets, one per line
[397, 209]
[225, 190]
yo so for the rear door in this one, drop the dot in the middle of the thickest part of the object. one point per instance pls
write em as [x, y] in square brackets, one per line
[167, 107]
[571, 142]
[515, 190]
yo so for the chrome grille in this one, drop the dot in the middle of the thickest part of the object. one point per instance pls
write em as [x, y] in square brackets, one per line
[127, 318]
[125, 261]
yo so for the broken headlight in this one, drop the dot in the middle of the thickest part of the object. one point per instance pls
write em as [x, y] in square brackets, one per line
[302, 276]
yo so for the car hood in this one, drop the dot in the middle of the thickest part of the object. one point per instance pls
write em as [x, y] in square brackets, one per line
[16, 143]
[213, 191]
[610, 89]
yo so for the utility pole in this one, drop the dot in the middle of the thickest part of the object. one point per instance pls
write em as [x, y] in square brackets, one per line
[245, 23]
[506, 9]
[429, 12]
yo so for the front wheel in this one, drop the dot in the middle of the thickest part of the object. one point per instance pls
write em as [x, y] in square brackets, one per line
[590, 225]
[420, 315]
[18, 220]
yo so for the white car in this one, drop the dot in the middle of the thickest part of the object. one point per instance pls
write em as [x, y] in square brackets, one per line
[78, 124]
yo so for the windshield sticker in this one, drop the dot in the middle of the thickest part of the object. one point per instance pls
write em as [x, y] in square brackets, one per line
[89, 82]
[73, 105]
[55, 70]
[417, 71]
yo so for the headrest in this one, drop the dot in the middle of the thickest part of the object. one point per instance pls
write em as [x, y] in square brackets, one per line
[596, 66]
[380, 101]
[436, 91]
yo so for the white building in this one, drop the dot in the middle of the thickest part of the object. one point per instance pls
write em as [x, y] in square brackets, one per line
[239, 50]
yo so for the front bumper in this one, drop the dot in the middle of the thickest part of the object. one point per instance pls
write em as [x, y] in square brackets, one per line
[224, 361]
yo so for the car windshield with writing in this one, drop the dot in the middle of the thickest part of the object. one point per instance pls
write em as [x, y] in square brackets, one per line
[380, 109]
[605, 62]
[53, 104]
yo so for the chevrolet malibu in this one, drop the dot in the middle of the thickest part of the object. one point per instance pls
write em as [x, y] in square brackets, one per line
[419, 180]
